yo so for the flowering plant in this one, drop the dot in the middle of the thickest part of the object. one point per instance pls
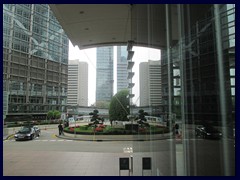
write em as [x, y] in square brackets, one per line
[98, 129]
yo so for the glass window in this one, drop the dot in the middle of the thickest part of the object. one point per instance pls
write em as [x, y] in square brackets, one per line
[182, 97]
[176, 72]
[232, 81]
[233, 91]
[176, 81]
[232, 72]
[177, 91]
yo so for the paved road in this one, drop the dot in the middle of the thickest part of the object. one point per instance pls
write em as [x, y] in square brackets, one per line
[49, 155]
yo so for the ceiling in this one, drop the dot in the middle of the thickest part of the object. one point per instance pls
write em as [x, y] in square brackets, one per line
[94, 25]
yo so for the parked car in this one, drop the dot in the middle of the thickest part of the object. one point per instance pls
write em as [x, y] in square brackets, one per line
[26, 133]
[208, 132]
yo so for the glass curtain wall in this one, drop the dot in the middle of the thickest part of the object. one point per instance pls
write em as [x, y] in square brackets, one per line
[35, 58]
[198, 91]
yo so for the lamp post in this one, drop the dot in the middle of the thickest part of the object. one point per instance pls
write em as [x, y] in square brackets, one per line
[75, 128]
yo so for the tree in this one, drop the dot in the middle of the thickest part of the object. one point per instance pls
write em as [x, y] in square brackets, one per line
[142, 121]
[53, 114]
[56, 114]
[50, 114]
[95, 117]
[119, 104]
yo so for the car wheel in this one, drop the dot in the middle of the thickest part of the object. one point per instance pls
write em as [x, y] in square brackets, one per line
[32, 137]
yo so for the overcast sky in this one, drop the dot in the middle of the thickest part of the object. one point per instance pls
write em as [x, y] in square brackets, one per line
[89, 55]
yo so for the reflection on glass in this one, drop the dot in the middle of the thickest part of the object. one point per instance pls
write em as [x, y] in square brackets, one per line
[189, 87]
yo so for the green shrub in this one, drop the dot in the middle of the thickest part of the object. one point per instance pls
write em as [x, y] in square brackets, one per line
[108, 130]
[115, 131]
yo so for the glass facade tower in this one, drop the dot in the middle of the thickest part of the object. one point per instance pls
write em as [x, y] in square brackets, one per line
[104, 83]
[122, 72]
[198, 73]
[35, 61]
[198, 88]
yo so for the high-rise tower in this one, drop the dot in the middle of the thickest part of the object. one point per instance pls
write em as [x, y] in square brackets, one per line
[150, 83]
[122, 72]
[104, 83]
[77, 83]
[35, 61]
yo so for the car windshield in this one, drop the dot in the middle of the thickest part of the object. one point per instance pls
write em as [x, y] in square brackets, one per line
[25, 130]
[211, 129]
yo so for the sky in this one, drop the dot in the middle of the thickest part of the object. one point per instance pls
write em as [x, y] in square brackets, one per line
[141, 54]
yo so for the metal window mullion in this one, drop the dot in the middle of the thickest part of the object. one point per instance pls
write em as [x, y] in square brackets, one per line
[170, 94]
[183, 80]
[221, 78]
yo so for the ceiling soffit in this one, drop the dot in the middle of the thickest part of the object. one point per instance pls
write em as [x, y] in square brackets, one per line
[94, 25]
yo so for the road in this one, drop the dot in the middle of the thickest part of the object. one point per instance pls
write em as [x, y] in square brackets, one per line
[52, 156]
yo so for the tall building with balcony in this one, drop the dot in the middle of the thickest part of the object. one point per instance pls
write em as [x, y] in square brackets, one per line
[35, 62]
[77, 83]
[104, 72]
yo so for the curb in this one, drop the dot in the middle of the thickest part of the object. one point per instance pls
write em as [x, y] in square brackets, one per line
[100, 140]
[8, 137]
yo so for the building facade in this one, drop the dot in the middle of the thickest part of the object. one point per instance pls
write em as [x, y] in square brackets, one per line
[35, 62]
[77, 83]
[143, 84]
[104, 74]
[150, 83]
[122, 72]
[191, 71]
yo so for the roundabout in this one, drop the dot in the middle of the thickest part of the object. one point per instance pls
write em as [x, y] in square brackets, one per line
[123, 129]
[117, 132]
[94, 127]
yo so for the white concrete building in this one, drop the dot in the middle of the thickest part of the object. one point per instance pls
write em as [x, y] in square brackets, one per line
[77, 83]
[150, 83]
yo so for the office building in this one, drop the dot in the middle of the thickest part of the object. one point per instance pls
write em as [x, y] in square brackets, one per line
[104, 72]
[77, 83]
[122, 72]
[195, 80]
[35, 60]
[150, 83]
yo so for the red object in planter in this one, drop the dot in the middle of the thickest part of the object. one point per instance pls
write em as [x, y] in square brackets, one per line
[142, 129]
[99, 129]
[101, 126]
